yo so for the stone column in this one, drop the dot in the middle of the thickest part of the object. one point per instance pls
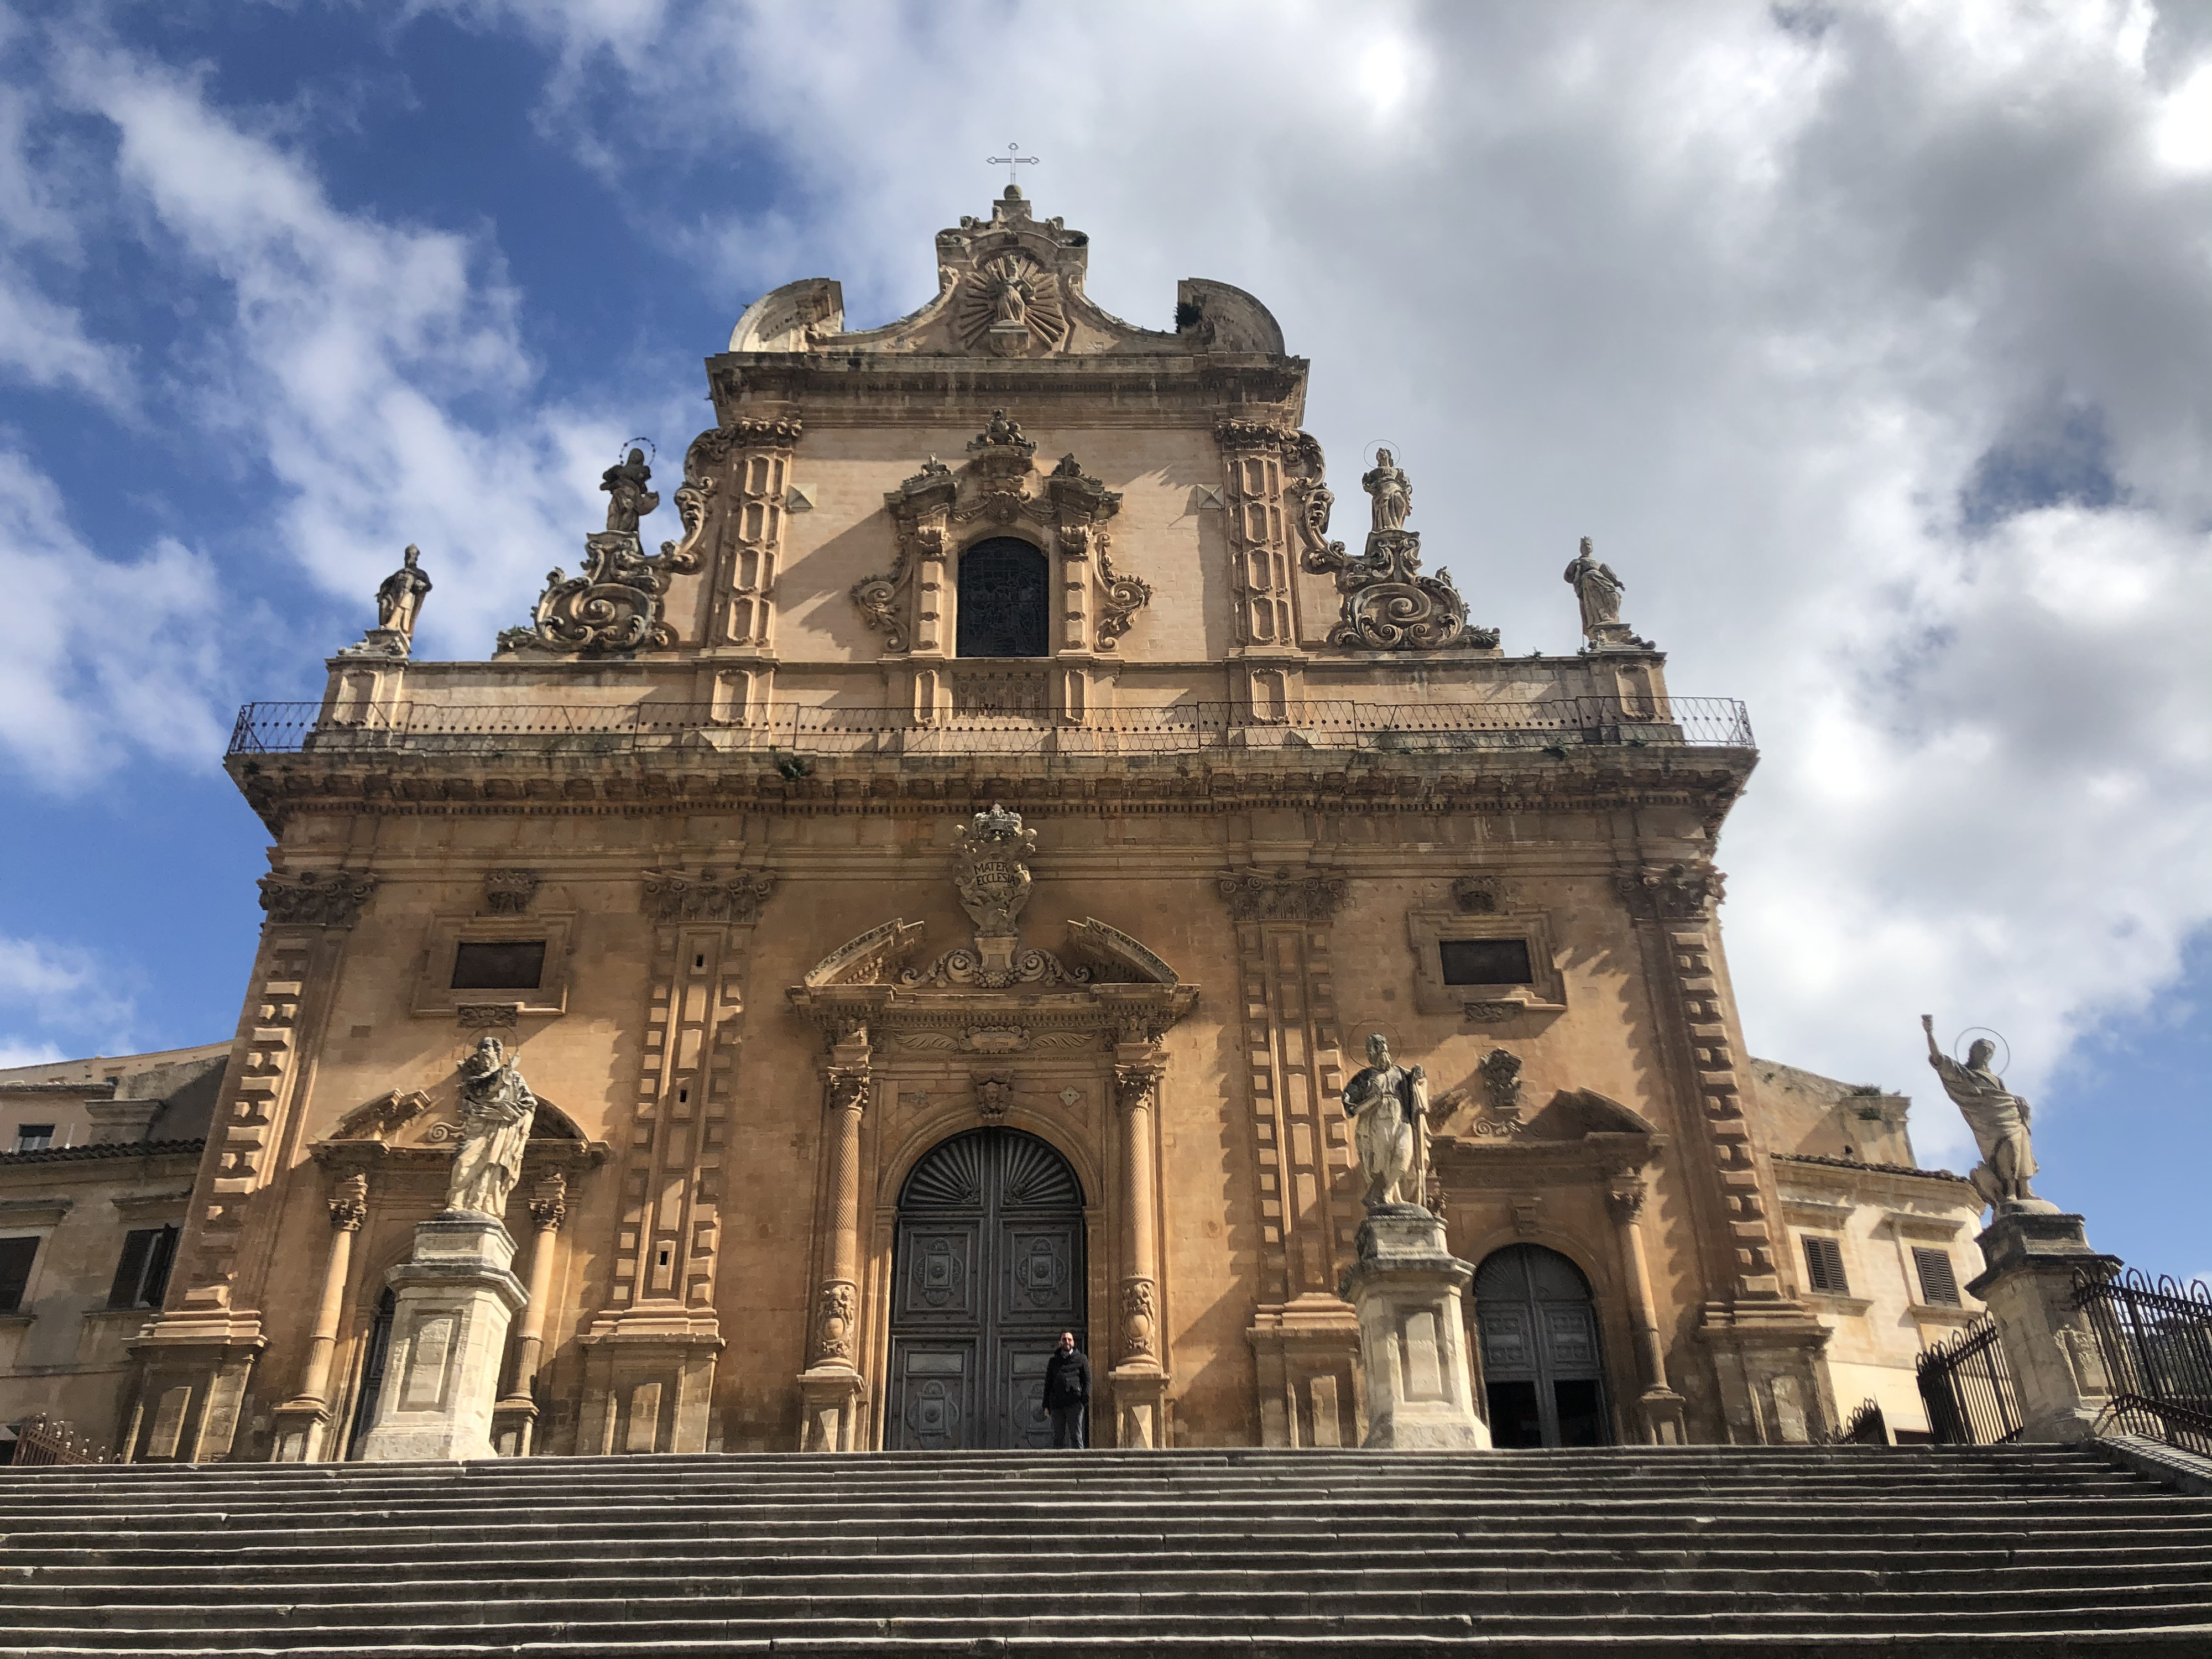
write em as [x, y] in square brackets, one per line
[455, 1299]
[1408, 1291]
[1659, 1406]
[1139, 1376]
[514, 1421]
[2028, 1285]
[830, 1387]
[302, 1420]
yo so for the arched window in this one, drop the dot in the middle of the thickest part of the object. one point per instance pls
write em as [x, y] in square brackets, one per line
[1540, 1368]
[1006, 607]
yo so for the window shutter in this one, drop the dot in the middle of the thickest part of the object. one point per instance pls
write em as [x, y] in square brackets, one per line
[1939, 1286]
[16, 1255]
[130, 1271]
[158, 1262]
[1824, 1266]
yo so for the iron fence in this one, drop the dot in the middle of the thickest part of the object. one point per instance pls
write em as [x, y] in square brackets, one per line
[1967, 1389]
[2154, 1341]
[42, 1441]
[1556, 725]
[1866, 1426]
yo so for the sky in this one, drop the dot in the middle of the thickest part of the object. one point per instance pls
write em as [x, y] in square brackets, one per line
[1871, 341]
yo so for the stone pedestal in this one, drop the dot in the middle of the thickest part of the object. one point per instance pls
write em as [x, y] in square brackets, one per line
[1140, 1407]
[2028, 1284]
[830, 1402]
[1406, 1289]
[453, 1302]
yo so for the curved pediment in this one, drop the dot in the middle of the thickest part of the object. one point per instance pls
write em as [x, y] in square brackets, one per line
[1114, 957]
[870, 958]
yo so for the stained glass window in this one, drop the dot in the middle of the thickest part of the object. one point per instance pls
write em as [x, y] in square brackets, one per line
[1004, 600]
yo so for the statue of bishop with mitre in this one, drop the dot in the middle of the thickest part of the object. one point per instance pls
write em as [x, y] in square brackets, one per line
[497, 1110]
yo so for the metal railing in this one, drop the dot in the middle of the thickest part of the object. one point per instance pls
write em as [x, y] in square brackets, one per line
[1558, 725]
[42, 1442]
[1866, 1426]
[1967, 1389]
[2155, 1339]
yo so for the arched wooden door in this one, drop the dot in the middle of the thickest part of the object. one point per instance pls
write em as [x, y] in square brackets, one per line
[986, 1274]
[1541, 1369]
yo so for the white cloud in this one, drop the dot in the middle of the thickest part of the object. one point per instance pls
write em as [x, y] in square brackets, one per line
[1755, 296]
[63, 989]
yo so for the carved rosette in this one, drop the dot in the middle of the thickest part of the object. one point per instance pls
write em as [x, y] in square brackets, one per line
[1282, 895]
[1140, 1319]
[1676, 892]
[672, 896]
[316, 898]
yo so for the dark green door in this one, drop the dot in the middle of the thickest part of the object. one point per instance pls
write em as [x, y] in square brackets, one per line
[986, 1274]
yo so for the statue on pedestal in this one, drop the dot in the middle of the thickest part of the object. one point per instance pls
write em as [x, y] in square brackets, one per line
[399, 603]
[1388, 1106]
[497, 1110]
[1599, 591]
[1998, 1118]
[1392, 490]
[628, 498]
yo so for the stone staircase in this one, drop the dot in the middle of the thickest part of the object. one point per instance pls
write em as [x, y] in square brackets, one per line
[1806, 1551]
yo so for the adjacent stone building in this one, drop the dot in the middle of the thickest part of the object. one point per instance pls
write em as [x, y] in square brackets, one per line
[936, 898]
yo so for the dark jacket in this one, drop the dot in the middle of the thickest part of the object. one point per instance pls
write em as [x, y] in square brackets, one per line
[1067, 1379]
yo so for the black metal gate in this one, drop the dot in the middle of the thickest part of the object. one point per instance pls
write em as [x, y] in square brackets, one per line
[1967, 1389]
[987, 1272]
[2155, 1342]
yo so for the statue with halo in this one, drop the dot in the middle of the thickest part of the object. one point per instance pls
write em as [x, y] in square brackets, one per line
[1999, 1119]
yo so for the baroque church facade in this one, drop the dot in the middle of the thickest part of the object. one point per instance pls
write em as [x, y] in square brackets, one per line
[937, 900]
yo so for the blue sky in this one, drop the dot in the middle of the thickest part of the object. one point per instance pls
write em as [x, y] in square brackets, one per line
[1871, 343]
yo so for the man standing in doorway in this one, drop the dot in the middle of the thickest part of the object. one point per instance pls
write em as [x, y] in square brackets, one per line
[1066, 1392]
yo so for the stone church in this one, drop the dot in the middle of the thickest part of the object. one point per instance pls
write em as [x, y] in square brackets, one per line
[937, 899]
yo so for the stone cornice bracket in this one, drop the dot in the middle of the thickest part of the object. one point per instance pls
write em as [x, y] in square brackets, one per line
[509, 892]
[316, 898]
[673, 897]
[1687, 891]
[1282, 895]
[1300, 450]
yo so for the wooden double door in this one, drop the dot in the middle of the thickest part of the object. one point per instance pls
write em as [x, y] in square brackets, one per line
[987, 1271]
[1541, 1369]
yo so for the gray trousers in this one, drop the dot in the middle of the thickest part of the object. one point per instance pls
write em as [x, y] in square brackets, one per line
[1067, 1428]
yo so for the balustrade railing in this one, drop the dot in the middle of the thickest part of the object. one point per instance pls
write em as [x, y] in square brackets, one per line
[2154, 1341]
[1967, 1389]
[1558, 725]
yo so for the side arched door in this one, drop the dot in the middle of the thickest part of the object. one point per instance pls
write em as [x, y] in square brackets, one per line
[987, 1271]
[1541, 1369]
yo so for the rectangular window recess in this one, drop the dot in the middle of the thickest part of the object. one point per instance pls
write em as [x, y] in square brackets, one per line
[1485, 961]
[142, 1277]
[33, 1137]
[504, 965]
[16, 1255]
[1939, 1285]
[1824, 1266]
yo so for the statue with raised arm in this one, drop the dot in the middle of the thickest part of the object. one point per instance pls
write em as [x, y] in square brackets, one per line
[1392, 490]
[1998, 1118]
[1388, 1106]
[497, 1110]
[399, 601]
[628, 498]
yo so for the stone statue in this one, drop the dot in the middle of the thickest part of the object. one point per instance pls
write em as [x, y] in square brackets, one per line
[399, 601]
[1998, 1118]
[628, 498]
[1388, 1106]
[1392, 490]
[1600, 592]
[497, 1110]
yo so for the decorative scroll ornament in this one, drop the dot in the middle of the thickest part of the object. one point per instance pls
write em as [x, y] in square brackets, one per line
[316, 899]
[671, 895]
[1387, 604]
[994, 882]
[1140, 1319]
[615, 606]
[833, 1322]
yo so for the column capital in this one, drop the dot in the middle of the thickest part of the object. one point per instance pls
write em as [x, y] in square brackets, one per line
[1136, 1084]
[549, 1201]
[349, 1203]
[848, 1087]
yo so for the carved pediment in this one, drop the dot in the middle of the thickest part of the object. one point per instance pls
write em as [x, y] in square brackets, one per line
[1114, 957]
[870, 958]
[383, 1118]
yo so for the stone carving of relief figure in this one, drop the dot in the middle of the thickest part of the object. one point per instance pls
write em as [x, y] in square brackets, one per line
[399, 601]
[1999, 1119]
[1597, 588]
[628, 498]
[1392, 490]
[497, 1110]
[1388, 1106]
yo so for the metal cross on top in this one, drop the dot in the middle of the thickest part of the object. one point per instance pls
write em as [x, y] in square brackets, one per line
[1013, 158]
